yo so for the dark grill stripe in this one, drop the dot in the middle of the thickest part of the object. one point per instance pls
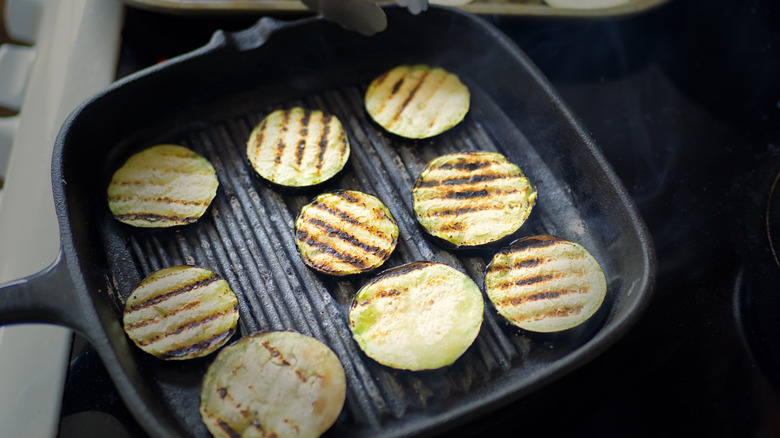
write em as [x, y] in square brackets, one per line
[408, 99]
[157, 299]
[323, 143]
[304, 133]
[346, 237]
[145, 322]
[232, 433]
[473, 179]
[189, 325]
[198, 346]
[346, 217]
[539, 296]
[462, 210]
[163, 200]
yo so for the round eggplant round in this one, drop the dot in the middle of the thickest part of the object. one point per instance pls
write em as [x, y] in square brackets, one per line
[417, 101]
[273, 384]
[345, 232]
[181, 312]
[419, 316]
[298, 147]
[472, 199]
[162, 186]
[545, 284]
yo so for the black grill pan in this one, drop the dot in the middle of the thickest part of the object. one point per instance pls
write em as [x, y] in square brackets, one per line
[210, 99]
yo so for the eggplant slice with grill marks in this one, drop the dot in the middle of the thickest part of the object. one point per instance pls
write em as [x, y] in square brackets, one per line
[418, 316]
[345, 232]
[273, 384]
[181, 312]
[545, 284]
[472, 199]
[298, 147]
[417, 101]
[162, 186]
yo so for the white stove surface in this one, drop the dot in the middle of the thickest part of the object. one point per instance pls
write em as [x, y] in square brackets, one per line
[74, 47]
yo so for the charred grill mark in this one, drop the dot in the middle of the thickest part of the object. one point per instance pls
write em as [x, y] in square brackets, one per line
[145, 322]
[536, 279]
[466, 165]
[408, 99]
[467, 194]
[153, 217]
[323, 143]
[189, 326]
[540, 296]
[304, 132]
[280, 147]
[157, 299]
[229, 431]
[537, 242]
[381, 79]
[461, 210]
[161, 200]
[397, 86]
[348, 218]
[346, 237]
[478, 178]
[502, 267]
[199, 346]
[406, 269]
[383, 293]
[299, 151]
[275, 354]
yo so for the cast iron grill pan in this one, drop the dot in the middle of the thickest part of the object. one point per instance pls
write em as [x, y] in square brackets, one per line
[211, 99]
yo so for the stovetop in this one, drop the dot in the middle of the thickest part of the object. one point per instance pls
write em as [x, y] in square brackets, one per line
[685, 103]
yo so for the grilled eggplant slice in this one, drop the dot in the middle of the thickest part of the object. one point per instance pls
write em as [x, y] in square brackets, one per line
[273, 384]
[417, 101]
[545, 284]
[298, 147]
[181, 312]
[345, 232]
[419, 316]
[162, 186]
[472, 199]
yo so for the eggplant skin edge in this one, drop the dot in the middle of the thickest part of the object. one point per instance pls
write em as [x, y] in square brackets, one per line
[545, 284]
[417, 316]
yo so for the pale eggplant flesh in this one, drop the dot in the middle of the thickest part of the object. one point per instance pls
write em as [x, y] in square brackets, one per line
[418, 316]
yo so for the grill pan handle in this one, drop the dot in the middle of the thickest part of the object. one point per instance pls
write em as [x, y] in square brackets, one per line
[45, 297]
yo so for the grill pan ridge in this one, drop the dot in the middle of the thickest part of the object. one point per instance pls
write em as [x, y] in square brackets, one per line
[247, 235]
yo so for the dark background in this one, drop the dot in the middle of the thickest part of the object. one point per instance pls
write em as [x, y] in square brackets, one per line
[684, 101]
